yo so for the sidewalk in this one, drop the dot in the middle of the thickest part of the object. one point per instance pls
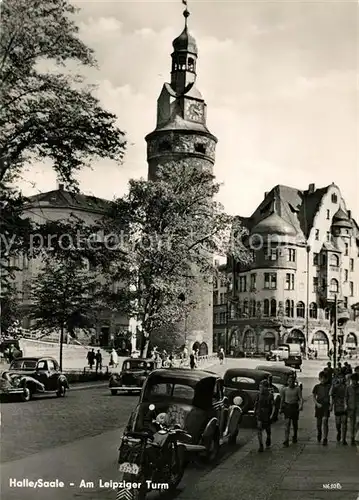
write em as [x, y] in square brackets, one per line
[305, 471]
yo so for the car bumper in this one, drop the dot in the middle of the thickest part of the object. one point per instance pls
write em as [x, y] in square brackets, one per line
[6, 392]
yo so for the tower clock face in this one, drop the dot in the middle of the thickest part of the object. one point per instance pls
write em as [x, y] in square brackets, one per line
[195, 111]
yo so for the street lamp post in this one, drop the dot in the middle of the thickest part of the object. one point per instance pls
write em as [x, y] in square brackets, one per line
[307, 303]
[335, 338]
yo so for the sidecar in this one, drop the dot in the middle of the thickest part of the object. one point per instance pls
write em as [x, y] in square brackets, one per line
[194, 401]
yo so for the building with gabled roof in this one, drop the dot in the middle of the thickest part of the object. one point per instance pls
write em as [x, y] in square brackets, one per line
[62, 205]
[305, 248]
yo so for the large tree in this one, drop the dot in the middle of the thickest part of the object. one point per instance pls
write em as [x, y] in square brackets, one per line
[170, 229]
[47, 111]
[64, 299]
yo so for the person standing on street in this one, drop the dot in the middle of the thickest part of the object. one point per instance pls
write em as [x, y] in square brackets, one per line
[352, 405]
[337, 394]
[291, 405]
[98, 360]
[192, 362]
[221, 355]
[91, 358]
[330, 372]
[263, 409]
[321, 397]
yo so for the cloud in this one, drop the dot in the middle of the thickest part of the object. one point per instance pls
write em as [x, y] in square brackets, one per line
[279, 78]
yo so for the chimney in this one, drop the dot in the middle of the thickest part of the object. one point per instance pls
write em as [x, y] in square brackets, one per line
[311, 188]
[349, 212]
[265, 194]
[60, 186]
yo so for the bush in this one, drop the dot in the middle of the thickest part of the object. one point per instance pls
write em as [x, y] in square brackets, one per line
[76, 377]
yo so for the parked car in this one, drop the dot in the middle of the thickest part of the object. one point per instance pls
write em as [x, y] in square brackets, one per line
[280, 374]
[245, 383]
[194, 401]
[27, 377]
[133, 374]
[289, 353]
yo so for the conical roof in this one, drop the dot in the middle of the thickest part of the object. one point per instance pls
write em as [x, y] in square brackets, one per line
[185, 42]
[341, 219]
[274, 224]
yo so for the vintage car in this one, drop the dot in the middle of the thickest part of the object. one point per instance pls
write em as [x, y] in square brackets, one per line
[133, 373]
[194, 401]
[280, 374]
[245, 383]
[27, 377]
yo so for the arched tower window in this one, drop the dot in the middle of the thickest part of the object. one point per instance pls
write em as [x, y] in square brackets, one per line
[191, 64]
[289, 308]
[334, 285]
[300, 310]
[164, 146]
[334, 260]
[245, 308]
[273, 308]
[200, 148]
[266, 307]
[313, 310]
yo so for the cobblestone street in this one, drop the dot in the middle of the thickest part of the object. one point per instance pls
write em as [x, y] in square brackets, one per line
[77, 438]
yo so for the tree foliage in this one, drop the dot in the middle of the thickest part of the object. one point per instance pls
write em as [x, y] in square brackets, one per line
[47, 112]
[9, 308]
[63, 298]
[170, 229]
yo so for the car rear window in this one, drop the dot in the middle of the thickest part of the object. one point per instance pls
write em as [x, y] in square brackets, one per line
[180, 392]
[244, 382]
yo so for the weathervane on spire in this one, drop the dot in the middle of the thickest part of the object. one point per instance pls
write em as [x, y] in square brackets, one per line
[186, 12]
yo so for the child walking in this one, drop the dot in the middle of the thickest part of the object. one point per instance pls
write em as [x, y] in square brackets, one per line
[263, 408]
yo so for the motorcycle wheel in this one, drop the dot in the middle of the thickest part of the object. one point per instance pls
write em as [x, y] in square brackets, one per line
[176, 465]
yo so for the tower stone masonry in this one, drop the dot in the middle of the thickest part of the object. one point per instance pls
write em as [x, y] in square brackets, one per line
[181, 134]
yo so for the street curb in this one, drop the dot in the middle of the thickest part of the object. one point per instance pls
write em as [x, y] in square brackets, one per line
[103, 384]
[93, 386]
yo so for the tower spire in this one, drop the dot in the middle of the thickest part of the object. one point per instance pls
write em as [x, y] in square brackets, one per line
[186, 12]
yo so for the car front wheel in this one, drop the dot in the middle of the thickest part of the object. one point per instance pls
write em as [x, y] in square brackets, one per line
[26, 395]
[61, 393]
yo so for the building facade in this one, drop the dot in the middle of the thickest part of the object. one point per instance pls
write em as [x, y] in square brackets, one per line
[305, 250]
[56, 205]
[181, 133]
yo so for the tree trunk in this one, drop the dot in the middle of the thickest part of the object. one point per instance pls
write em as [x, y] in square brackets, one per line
[61, 345]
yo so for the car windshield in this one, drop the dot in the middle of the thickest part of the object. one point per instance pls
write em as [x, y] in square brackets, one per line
[169, 389]
[134, 364]
[23, 364]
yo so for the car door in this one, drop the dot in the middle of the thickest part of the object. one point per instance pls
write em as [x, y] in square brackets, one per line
[218, 404]
[42, 372]
[53, 375]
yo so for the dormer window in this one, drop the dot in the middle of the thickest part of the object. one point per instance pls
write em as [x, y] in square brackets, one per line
[200, 148]
[334, 198]
[164, 146]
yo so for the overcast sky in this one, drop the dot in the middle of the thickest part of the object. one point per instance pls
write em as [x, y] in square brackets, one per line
[279, 79]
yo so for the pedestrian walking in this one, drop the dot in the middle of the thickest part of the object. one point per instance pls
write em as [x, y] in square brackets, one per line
[352, 405]
[321, 397]
[329, 370]
[338, 394]
[98, 360]
[113, 358]
[91, 358]
[263, 409]
[192, 361]
[221, 355]
[291, 405]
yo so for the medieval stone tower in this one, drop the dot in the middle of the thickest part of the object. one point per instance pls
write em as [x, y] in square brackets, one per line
[181, 133]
